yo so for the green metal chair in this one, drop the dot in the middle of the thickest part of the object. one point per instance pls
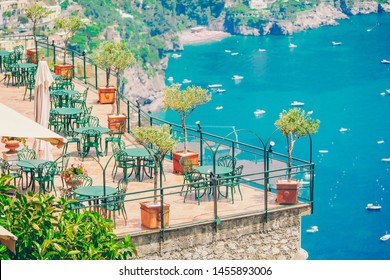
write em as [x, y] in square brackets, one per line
[83, 119]
[232, 183]
[56, 122]
[125, 162]
[26, 154]
[227, 161]
[187, 169]
[90, 138]
[115, 135]
[7, 168]
[79, 181]
[197, 183]
[30, 86]
[61, 164]
[93, 121]
[117, 204]
[45, 177]
[72, 138]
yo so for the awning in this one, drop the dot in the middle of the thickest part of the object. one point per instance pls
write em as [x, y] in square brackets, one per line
[7, 239]
[15, 124]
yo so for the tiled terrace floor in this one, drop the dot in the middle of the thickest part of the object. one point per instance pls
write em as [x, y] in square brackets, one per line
[180, 212]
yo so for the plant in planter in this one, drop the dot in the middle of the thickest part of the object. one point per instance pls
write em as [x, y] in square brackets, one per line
[158, 142]
[70, 26]
[184, 102]
[35, 13]
[293, 124]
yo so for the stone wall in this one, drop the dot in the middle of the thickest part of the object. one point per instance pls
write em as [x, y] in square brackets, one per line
[244, 238]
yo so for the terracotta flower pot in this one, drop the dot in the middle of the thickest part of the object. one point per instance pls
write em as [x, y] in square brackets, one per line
[151, 216]
[64, 70]
[194, 156]
[287, 191]
[114, 120]
[106, 95]
[12, 145]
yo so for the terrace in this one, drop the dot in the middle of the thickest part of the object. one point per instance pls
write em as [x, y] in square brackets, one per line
[261, 166]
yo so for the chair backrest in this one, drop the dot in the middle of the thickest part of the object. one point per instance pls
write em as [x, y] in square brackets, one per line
[62, 162]
[186, 165]
[117, 146]
[238, 172]
[122, 157]
[227, 161]
[93, 121]
[196, 179]
[80, 181]
[84, 95]
[26, 153]
[46, 170]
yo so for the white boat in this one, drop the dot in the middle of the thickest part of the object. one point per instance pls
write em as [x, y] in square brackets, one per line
[297, 103]
[219, 108]
[170, 79]
[323, 151]
[175, 55]
[236, 77]
[382, 93]
[220, 90]
[310, 112]
[388, 90]
[228, 51]
[186, 81]
[385, 237]
[262, 50]
[292, 45]
[234, 53]
[259, 112]
[312, 229]
[336, 43]
[385, 61]
[307, 176]
[385, 159]
[371, 206]
[343, 129]
[380, 141]
[214, 86]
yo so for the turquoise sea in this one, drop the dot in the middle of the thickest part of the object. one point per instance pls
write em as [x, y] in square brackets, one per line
[345, 86]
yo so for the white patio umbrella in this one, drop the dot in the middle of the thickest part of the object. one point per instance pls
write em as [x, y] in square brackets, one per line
[43, 80]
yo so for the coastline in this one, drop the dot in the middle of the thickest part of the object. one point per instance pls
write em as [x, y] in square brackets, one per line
[196, 36]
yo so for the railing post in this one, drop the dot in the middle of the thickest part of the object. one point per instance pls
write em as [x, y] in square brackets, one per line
[85, 68]
[233, 153]
[139, 113]
[96, 77]
[72, 64]
[201, 147]
[162, 201]
[54, 52]
[36, 52]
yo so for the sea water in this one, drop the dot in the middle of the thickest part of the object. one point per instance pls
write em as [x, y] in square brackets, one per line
[344, 86]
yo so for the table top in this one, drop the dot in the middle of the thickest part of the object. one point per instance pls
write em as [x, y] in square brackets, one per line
[4, 53]
[68, 111]
[26, 65]
[137, 152]
[219, 170]
[101, 129]
[30, 163]
[95, 191]
[64, 91]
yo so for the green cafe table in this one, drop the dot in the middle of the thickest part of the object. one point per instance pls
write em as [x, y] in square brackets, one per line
[219, 171]
[139, 154]
[101, 129]
[95, 192]
[30, 166]
[64, 96]
[68, 114]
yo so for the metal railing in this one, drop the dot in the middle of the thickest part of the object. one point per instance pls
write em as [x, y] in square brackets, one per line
[263, 165]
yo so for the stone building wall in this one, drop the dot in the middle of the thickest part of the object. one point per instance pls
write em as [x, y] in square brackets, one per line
[244, 238]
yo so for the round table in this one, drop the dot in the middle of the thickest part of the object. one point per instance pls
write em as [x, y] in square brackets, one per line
[26, 65]
[95, 191]
[219, 170]
[63, 95]
[101, 129]
[138, 153]
[32, 166]
[67, 113]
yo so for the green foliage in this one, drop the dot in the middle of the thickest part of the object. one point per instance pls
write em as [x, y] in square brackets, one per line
[184, 102]
[47, 230]
[64, 5]
[22, 19]
[158, 141]
[294, 124]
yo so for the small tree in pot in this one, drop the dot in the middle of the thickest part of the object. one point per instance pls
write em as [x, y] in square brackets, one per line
[158, 141]
[293, 124]
[70, 26]
[184, 102]
[35, 13]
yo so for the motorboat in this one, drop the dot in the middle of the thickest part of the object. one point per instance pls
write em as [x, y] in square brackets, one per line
[175, 55]
[343, 129]
[380, 141]
[186, 81]
[383, 93]
[214, 86]
[385, 237]
[336, 43]
[262, 50]
[234, 53]
[220, 90]
[292, 45]
[312, 229]
[170, 79]
[323, 151]
[310, 112]
[297, 103]
[228, 51]
[385, 61]
[236, 77]
[388, 90]
[385, 159]
[219, 108]
[371, 206]
[259, 112]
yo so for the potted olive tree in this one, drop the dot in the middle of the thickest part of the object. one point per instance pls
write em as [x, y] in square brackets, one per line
[184, 102]
[35, 13]
[158, 141]
[117, 57]
[293, 124]
[69, 26]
